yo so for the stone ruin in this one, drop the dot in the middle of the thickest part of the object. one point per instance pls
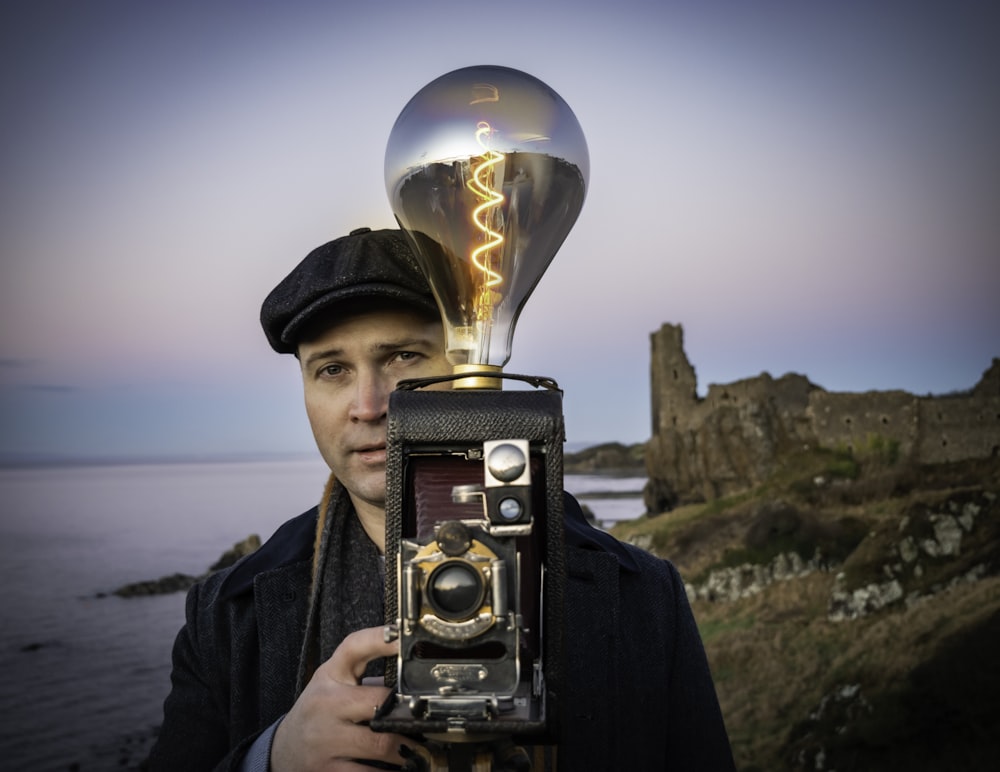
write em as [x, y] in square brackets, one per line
[731, 439]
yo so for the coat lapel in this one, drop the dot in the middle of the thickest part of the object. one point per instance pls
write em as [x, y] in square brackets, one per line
[592, 627]
[281, 598]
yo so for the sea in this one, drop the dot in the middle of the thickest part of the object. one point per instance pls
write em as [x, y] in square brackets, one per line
[83, 672]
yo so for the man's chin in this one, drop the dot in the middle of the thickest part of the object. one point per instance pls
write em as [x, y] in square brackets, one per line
[367, 485]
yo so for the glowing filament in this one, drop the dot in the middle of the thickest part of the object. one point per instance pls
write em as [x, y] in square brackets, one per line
[482, 186]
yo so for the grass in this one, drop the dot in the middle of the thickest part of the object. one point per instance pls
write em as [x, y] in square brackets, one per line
[927, 674]
[713, 628]
[775, 656]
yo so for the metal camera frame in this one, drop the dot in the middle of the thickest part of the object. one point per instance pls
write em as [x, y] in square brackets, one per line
[439, 445]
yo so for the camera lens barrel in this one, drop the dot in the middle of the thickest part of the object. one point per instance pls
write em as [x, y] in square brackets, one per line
[455, 590]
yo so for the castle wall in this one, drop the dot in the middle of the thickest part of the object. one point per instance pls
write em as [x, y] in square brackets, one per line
[847, 420]
[733, 438]
[957, 428]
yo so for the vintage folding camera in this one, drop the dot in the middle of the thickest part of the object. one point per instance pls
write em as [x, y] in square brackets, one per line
[474, 578]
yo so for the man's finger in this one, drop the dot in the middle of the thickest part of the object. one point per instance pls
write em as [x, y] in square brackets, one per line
[358, 703]
[350, 659]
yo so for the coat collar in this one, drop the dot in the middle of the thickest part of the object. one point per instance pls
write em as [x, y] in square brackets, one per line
[580, 533]
[291, 543]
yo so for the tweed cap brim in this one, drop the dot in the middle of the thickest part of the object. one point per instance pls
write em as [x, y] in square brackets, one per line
[363, 264]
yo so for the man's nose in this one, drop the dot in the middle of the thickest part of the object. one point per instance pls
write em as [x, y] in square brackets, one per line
[371, 398]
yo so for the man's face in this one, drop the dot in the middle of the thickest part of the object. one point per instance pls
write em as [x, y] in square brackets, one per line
[348, 372]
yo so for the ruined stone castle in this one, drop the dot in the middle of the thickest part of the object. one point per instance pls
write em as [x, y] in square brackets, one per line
[730, 440]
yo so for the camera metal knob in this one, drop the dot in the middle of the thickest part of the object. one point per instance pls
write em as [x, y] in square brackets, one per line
[506, 462]
[453, 538]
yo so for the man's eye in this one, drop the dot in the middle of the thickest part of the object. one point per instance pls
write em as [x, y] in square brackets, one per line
[331, 370]
[407, 355]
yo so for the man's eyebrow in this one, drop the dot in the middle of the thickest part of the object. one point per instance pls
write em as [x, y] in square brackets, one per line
[410, 342]
[324, 354]
[376, 348]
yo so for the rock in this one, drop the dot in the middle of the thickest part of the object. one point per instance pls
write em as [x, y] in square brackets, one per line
[182, 582]
[727, 585]
[864, 600]
[968, 517]
[948, 534]
[908, 550]
[250, 544]
[162, 586]
[947, 539]
[608, 458]
[836, 713]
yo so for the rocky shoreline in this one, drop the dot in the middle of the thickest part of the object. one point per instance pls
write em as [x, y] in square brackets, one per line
[609, 458]
[182, 582]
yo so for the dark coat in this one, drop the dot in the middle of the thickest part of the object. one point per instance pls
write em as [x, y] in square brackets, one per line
[639, 695]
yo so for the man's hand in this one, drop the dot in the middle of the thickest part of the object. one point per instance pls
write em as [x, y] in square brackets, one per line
[323, 730]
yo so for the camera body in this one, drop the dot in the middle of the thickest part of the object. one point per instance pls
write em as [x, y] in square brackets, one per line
[474, 563]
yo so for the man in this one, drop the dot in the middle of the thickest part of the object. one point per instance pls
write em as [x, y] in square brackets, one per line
[268, 668]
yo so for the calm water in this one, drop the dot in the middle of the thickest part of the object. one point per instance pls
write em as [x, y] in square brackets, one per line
[82, 677]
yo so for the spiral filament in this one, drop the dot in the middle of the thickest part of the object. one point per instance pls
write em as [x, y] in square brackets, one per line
[486, 256]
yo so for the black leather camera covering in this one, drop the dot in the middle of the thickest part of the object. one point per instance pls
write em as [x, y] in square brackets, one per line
[445, 425]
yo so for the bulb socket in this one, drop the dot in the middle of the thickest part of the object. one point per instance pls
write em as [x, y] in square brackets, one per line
[479, 377]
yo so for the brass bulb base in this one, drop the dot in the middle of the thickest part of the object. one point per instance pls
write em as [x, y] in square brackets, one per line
[479, 377]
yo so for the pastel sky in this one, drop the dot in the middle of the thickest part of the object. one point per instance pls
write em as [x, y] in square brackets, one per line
[807, 187]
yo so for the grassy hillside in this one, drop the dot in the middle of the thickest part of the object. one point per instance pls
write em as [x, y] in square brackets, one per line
[850, 608]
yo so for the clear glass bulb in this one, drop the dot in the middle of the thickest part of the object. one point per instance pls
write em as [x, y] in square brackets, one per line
[486, 170]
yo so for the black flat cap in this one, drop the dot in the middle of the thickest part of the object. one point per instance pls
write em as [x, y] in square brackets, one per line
[365, 263]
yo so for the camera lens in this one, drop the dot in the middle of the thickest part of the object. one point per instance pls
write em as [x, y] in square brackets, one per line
[455, 590]
[510, 509]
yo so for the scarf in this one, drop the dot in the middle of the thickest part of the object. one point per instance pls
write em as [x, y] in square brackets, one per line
[347, 584]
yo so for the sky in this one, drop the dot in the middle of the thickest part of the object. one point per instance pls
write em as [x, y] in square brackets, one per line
[806, 187]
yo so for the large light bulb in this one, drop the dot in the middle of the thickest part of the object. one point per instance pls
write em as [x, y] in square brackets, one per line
[486, 170]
